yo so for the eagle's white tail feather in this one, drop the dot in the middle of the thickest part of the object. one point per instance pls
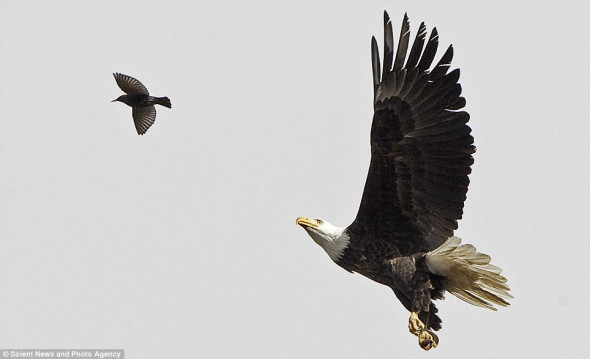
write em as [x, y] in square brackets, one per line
[469, 274]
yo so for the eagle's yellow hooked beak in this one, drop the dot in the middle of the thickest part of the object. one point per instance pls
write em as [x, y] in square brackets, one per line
[307, 222]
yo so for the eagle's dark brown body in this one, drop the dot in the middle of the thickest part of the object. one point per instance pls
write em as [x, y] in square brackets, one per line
[400, 266]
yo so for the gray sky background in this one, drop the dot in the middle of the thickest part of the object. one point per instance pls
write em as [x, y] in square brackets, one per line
[183, 243]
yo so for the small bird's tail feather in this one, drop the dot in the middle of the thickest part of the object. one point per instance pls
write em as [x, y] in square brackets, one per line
[468, 274]
[164, 101]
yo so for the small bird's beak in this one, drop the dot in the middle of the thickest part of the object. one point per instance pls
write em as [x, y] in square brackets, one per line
[115, 100]
[306, 222]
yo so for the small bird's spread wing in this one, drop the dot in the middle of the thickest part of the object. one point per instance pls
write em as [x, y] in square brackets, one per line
[129, 85]
[420, 143]
[143, 117]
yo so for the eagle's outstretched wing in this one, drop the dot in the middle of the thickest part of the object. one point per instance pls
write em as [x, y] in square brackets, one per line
[421, 146]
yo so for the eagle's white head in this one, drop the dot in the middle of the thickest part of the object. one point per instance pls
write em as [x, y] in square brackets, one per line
[333, 239]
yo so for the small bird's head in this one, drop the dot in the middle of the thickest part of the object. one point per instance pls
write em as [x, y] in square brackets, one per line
[333, 239]
[121, 98]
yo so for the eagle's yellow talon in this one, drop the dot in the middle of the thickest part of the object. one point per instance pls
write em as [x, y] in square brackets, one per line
[415, 325]
[427, 340]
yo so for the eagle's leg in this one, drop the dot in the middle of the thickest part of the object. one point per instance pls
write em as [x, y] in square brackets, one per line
[417, 298]
[426, 338]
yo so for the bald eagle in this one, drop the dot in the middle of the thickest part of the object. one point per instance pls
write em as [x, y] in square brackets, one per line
[421, 156]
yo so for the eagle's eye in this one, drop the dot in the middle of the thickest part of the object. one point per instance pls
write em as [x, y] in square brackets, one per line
[319, 221]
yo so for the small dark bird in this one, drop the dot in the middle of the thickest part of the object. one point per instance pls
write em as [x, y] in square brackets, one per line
[142, 104]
